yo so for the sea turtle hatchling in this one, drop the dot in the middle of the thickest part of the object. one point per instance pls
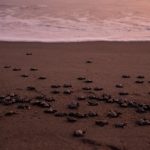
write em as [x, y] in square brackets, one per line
[79, 133]
[140, 77]
[60, 114]
[119, 86]
[71, 119]
[88, 61]
[24, 76]
[113, 114]
[67, 92]
[23, 106]
[16, 69]
[55, 86]
[123, 93]
[86, 88]
[33, 69]
[120, 124]
[92, 114]
[92, 103]
[101, 123]
[125, 76]
[88, 81]
[10, 113]
[50, 110]
[98, 89]
[28, 53]
[67, 86]
[7, 67]
[143, 122]
[31, 88]
[55, 92]
[139, 81]
[42, 78]
[80, 98]
[73, 105]
[81, 78]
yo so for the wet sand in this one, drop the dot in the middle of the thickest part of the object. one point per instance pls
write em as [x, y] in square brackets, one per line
[102, 63]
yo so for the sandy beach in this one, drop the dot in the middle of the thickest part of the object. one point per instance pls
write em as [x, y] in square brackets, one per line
[74, 78]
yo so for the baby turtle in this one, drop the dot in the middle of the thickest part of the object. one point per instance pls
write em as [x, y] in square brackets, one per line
[77, 115]
[101, 123]
[139, 82]
[120, 125]
[50, 110]
[91, 97]
[50, 99]
[28, 53]
[123, 93]
[73, 105]
[140, 77]
[81, 78]
[16, 69]
[143, 122]
[92, 114]
[7, 67]
[56, 86]
[33, 69]
[35, 102]
[110, 101]
[67, 92]
[44, 104]
[123, 104]
[125, 76]
[80, 98]
[71, 119]
[60, 114]
[42, 78]
[92, 103]
[105, 97]
[24, 76]
[31, 88]
[55, 92]
[10, 113]
[86, 88]
[113, 114]
[88, 61]
[141, 110]
[2, 97]
[88, 81]
[98, 89]
[40, 97]
[67, 85]
[79, 133]
[23, 106]
[119, 86]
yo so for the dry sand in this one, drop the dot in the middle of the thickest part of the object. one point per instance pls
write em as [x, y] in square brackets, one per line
[62, 63]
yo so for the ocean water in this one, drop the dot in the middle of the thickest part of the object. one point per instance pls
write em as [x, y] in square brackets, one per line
[74, 20]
